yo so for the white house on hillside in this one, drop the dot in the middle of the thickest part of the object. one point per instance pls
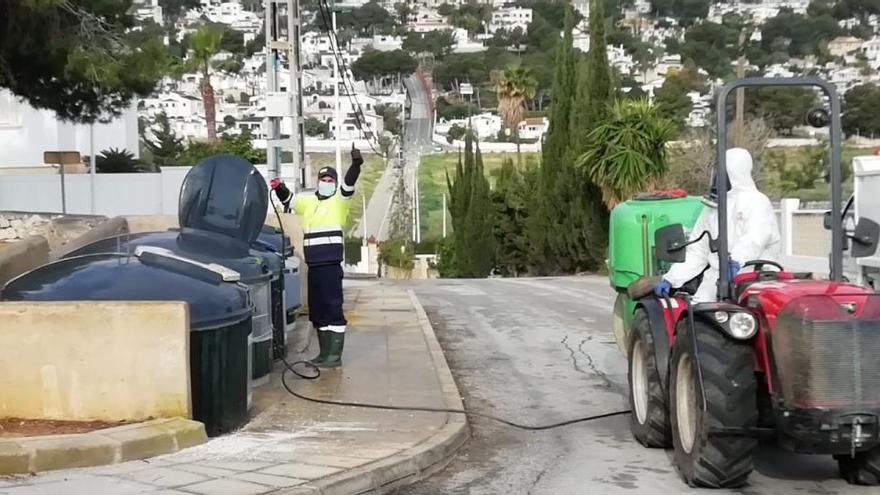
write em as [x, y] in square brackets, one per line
[533, 128]
[510, 18]
[463, 43]
[423, 20]
[174, 104]
[26, 132]
[148, 10]
[871, 49]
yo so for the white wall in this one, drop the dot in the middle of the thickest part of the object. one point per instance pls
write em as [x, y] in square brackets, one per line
[115, 194]
[30, 132]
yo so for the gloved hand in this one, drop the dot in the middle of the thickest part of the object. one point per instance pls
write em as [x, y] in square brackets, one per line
[356, 158]
[662, 288]
[732, 269]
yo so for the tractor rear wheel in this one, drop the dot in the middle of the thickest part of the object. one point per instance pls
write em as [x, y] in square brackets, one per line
[863, 469]
[730, 388]
[649, 420]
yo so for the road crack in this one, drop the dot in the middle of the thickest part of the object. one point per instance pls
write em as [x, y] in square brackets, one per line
[592, 365]
[572, 355]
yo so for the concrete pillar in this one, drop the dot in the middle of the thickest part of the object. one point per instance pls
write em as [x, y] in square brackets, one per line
[373, 250]
[366, 265]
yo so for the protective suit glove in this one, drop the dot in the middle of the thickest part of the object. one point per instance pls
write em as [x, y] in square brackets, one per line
[732, 269]
[662, 288]
[356, 158]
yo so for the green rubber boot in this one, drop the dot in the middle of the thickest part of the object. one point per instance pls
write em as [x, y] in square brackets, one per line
[334, 357]
[323, 348]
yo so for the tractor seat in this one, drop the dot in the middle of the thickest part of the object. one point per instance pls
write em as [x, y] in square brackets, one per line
[690, 287]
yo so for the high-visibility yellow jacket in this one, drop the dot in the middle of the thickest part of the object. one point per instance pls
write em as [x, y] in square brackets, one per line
[323, 223]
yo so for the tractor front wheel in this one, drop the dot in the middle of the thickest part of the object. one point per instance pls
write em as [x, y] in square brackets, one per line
[649, 420]
[863, 469]
[730, 389]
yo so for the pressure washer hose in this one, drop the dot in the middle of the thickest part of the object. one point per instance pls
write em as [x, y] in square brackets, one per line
[316, 372]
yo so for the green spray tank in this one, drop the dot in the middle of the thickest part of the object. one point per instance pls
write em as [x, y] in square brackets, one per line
[631, 245]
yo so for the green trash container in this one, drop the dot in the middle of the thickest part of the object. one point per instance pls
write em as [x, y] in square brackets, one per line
[220, 372]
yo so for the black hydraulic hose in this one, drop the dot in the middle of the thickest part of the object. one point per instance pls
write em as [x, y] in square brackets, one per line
[317, 373]
[289, 367]
[693, 326]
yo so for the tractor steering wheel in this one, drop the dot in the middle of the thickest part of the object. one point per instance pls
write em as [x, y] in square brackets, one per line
[759, 265]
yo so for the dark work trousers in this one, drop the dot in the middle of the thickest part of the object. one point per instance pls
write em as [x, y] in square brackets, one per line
[325, 297]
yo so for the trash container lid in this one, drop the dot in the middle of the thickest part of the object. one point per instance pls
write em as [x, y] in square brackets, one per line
[198, 245]
[224, 194]
[214, 298]
[270, 236]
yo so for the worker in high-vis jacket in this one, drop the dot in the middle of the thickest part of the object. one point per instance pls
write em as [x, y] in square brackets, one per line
[324, 215]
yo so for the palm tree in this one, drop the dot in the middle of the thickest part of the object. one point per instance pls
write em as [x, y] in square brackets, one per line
[204, 44]
[117, 161]
[513, 87]
[626, 153]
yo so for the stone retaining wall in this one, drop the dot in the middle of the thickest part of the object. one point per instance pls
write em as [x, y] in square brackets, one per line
[57, 229]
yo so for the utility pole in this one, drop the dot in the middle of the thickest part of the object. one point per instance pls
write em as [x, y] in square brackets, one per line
[336, 80]
[92, 164]
[418, 204]
[444, 215]
[283, 44]
[739, 114]
[412, 202]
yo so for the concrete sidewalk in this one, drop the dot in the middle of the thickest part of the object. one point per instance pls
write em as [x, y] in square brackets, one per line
[296, 447]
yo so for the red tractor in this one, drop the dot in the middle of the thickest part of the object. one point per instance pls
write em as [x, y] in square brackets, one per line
[780, 356]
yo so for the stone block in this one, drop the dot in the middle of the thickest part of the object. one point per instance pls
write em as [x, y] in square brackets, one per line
[13, 458]
[186, 433]
[67, 451]
[142, 441]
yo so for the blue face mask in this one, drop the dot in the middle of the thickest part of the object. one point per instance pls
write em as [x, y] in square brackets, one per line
[326, 189]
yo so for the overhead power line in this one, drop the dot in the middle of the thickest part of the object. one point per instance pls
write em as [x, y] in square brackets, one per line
[348, 84]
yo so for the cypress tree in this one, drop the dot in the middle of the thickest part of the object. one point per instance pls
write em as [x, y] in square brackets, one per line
[546, 207]
[481, 246]
[509, 200]
[470, 209]
[582, 226]
[595, 88]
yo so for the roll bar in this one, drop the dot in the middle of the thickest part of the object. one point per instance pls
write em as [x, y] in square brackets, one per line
[836, 268]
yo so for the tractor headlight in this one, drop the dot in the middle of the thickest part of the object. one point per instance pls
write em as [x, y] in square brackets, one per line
[742, 325]
[722, 316]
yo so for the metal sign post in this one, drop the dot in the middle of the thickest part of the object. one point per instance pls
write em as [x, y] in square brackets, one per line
[62, 158]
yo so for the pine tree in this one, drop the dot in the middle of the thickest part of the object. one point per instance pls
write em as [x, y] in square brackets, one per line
[165, 147]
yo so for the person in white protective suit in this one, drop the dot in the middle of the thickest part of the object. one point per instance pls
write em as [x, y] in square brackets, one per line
[753, 233]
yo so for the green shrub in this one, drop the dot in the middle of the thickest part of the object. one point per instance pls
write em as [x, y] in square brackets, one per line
[397, 253]
[427, 246]
[447, 263]
[353, 250]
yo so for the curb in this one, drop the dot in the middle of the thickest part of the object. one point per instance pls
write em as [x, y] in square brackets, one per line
[108, 446]
[416, 463]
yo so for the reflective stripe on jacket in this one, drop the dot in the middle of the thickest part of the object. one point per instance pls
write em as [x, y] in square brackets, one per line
[323, 221]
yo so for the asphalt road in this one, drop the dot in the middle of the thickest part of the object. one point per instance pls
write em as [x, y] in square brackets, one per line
[540, 351]
[417, 139]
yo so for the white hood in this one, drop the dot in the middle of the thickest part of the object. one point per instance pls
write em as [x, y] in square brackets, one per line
[739, 170]
[753, 232]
